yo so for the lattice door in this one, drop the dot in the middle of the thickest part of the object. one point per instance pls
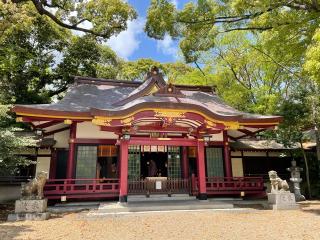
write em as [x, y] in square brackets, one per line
[214, 158]
[174, 162]
[134, 163]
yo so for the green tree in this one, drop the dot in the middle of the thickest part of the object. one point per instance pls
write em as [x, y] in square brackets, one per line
[291, 131]
[38, 58]
[137, 70]
[198, 23]
[11, 145]
[101, 18]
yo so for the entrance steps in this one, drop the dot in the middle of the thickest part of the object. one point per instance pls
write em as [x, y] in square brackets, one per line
[160, 197]
[156, 206]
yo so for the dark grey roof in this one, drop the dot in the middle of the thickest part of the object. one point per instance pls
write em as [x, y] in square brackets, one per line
[256, 144]
[112, 96]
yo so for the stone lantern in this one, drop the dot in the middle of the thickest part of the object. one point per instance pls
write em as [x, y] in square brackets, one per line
[296, 180]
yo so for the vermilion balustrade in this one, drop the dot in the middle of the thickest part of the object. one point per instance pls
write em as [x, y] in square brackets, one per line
[169, 186]
[82, 188]
[230, 185]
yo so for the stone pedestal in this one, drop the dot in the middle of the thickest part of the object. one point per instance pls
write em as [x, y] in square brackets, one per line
[33, 209]
[282, 201]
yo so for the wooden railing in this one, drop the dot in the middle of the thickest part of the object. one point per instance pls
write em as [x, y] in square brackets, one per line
[230, 185]
[169, 186]
[82, 188]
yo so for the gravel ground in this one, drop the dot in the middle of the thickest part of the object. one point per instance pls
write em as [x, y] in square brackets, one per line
[258, 224]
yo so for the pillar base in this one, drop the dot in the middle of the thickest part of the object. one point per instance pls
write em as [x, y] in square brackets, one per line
[123, 198]
[202, 196]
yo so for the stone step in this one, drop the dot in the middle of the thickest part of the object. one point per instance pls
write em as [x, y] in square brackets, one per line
[159, 197]
[161, 206]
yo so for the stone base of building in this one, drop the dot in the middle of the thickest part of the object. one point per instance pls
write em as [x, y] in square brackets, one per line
[282, 201]
[28, 216]
[30, 209]
[202, 196]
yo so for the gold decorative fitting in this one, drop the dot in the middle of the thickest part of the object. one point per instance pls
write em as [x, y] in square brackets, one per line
[170, 113]
[71, 140]
[232, 125]
[67, 121]
[19, 119]
[127, 121]
[210, 124]
[101, 122]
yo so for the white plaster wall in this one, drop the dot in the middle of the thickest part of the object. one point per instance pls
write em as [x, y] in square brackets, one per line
[89, 130]
[43, 164]
[237, 167]
[236, 153]
[274, 154]
[217, 137]
[62, 139]
[255, 154]
[44, 151]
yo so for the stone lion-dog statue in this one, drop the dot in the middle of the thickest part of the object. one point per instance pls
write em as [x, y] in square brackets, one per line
[34, 188]
[277, 184]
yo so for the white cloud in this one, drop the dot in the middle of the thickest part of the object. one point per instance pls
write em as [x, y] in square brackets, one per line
[175, 2]
[127, 42]
[167, 46]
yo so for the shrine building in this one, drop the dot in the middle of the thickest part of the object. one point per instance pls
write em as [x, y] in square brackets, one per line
[112, 138]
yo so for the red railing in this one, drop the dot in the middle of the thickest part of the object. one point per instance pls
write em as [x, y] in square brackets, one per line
[169, 186]
[230, 185]
[82, 188]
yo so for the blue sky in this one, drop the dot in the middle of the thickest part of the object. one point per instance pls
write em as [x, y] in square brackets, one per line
[133, 43]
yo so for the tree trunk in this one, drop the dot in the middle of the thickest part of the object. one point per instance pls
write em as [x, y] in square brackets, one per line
[317, 135]
[307, 169]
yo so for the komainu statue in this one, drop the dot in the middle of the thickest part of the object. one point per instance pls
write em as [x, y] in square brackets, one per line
[34, 188]
[277, 184]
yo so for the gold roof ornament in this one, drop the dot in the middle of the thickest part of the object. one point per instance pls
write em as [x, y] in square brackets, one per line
[169, 113]
[19, 119]
[232, 125]
[67, 121]
[210, 124]
[127, 121]
[101, 122]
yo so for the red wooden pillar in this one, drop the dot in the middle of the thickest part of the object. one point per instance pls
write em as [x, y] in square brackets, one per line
[226, 153]
[201, 171]
[185, 163]
[124, 145]
[72, 149]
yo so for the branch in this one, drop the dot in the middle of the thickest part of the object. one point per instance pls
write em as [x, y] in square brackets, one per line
[230, 19]
[42, 11]
[247, 29]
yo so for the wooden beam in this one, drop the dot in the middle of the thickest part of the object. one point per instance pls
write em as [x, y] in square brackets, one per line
[56, 131]
[163, 141]
[95, 141]
[48, 124]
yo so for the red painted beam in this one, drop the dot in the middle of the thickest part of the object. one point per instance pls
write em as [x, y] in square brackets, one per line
[249, 133]
[123, 171]
[72, 149]
[185, 163]
[48, 124]
[163, 141]
[95, 141]
[56, 131]
[163, 129]
[226, 153]
[201, 168]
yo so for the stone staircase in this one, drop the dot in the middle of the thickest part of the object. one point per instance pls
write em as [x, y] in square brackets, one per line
[160, 198]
